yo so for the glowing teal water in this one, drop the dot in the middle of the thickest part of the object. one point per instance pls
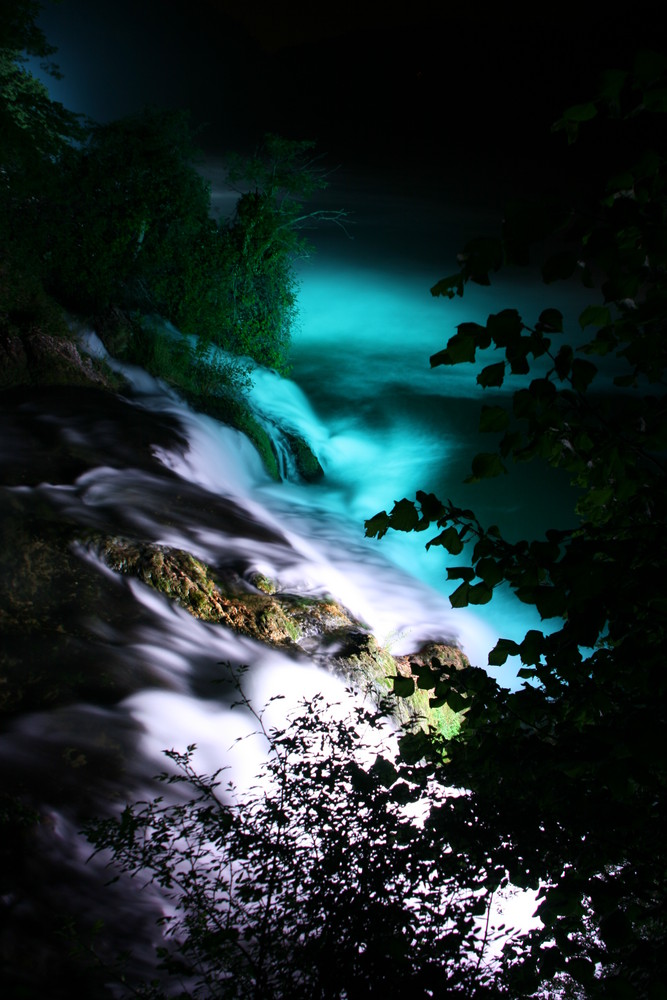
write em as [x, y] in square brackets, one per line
[385, 424]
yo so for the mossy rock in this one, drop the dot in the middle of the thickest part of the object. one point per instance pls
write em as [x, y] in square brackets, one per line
[433, 656]
[125, 337]
[179, 576]
[318, 626]
[306, 461]
[359, 656]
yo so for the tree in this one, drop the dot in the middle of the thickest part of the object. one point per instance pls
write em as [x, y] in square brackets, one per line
[32, 126]
[265, 238]
[565, 777]
[34, 131]
[128, 201]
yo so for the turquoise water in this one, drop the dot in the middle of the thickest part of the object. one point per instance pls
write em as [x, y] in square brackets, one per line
[385, 424]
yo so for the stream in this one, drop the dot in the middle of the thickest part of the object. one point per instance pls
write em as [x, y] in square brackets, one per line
[79, 461]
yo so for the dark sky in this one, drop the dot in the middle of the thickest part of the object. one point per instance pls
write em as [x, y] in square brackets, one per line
[432, 89]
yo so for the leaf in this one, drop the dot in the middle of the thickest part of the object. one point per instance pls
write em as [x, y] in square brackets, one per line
[384, 771]
[461, 573]
[459, 599]
[493, 419]
[480, 593]
[580, 112]
[460, 348]
[404, 687]
[476, 331]
[623, 381]
[457, 702]
[440, 358]
[486, 465]
[582, 374]
[502, 649]
[505, 327]
[427, 679]
[431, 507]
[451, 286]
[549, 601]
[611, 83]
[480, 256]
[376, 526]
[551, 320]
[490, 571]
[449, 539]
[492, 375]
[404, 516]
[563, 362]
[594, 316]
[530, 649]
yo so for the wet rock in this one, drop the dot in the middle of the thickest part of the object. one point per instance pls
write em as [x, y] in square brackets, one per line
[191, 583]
[49, 653]
[318, 626]
[39, 358]
[306, 461]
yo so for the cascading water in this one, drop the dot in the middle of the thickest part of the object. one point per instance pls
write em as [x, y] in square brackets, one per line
[82, 462]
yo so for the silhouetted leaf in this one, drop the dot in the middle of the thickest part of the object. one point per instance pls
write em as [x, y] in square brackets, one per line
[502, 649]
[492, 375]
[459, 599]
[486, 465]
[403, 687]
[404, 516]
[582, 374]
[451, 286]
[551, 320]
[594, 316]
[449, 539]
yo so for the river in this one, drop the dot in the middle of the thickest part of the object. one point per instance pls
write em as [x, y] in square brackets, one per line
[382, 424]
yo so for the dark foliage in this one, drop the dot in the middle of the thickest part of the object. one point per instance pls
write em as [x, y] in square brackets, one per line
[321, 881]
[566, 775]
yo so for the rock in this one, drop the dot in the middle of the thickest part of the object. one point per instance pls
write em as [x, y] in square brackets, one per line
[305, 459]
[191, 583]
[317, 626]
[49, 657]
[38, 358]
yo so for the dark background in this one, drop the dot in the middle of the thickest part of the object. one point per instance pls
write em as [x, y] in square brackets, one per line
[434, 93]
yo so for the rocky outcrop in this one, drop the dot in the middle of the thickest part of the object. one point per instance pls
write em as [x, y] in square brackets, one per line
[306, 461]
[317, 626]
[39, 358]
[191, 583]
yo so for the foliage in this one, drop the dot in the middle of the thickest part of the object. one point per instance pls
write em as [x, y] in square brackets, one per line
[566, 775]
[32, 126]
[117, 215]
[34, 130]
[122, 199]
[320, 881]
[265, 239]
[188, 364]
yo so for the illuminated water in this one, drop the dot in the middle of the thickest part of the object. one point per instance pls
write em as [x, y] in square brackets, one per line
[382, 424]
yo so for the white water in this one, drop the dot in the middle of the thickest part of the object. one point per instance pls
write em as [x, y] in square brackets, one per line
[382, 424]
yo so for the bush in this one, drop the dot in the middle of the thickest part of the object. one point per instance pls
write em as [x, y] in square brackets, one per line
[321, 881]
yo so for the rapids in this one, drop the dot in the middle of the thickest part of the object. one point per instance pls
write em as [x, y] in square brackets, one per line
[76, 461]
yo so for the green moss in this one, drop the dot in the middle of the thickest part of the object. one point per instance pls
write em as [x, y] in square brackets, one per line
[263, 583]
